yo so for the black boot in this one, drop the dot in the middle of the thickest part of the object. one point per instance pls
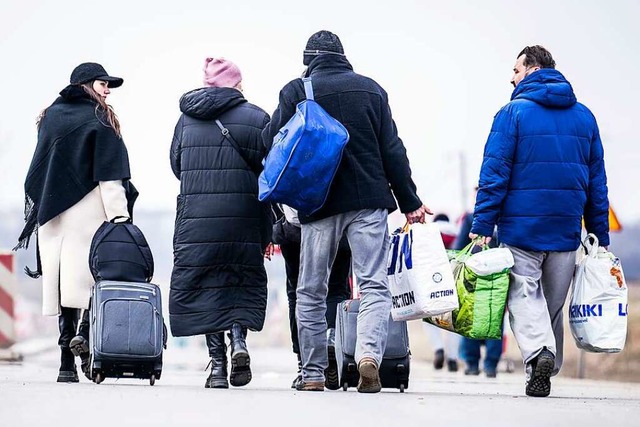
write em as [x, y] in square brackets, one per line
[218, 352]
[67, 322]
[298, 378]
[240, 369]
[80, 345]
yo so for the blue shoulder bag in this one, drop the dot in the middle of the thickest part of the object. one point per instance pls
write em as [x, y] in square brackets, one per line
[304, 157]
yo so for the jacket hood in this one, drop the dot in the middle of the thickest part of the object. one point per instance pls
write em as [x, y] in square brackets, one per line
[547, 87]
[207, 103]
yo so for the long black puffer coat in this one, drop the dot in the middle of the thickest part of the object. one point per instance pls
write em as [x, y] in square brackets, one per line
[218, 273]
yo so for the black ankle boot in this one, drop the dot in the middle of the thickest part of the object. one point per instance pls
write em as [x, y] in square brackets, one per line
[68, 372]
[240, 369]
[67, 323]
[298, 378]
[80, 348]
[218, 352]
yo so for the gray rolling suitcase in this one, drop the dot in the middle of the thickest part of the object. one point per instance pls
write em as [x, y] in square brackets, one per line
[394, 370]
[127, 333]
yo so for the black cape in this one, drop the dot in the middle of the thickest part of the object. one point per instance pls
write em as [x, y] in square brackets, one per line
[76, 149]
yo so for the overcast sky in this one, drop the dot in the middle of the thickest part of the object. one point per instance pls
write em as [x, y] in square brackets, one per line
[445, 64]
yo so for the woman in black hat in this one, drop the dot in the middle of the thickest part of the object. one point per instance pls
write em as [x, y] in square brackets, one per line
[74, 183]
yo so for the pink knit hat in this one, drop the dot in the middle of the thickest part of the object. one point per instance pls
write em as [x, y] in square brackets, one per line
[220, 72]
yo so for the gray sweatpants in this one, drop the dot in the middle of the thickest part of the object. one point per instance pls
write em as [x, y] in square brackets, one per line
[368, 237]
[538, 287]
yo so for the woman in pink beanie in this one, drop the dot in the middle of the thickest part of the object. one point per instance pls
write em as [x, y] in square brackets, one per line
[219, 282]
[220, 72]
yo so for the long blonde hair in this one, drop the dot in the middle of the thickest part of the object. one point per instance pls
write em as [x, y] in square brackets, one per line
[102, 109]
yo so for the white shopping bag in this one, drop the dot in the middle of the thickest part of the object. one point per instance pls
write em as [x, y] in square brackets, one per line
[598, 310]
[420, 277]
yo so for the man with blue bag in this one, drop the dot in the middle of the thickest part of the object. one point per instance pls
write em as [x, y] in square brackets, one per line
[542, 172]
[358, 199]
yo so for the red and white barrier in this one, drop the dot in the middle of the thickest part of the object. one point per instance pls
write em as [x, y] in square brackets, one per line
[7, 292]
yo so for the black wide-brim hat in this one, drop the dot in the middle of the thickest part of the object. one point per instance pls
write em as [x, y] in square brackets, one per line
[90, 71]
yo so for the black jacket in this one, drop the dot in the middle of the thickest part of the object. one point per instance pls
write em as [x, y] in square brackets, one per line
[374, 161]
[218, 274]
[76, 149]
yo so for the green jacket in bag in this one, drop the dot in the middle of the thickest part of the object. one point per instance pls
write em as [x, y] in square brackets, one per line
[482, 301]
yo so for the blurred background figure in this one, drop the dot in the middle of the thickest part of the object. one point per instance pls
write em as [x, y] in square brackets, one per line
[469, 347]
[445, 343]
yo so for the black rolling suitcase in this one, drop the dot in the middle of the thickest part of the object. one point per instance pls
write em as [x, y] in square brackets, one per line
[127, 333]
[394, 370]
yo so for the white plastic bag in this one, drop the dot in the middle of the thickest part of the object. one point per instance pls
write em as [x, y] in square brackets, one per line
[598, 310]
[420, 277]
[490, 261]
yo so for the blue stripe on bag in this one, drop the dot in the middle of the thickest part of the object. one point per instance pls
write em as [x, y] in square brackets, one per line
[405, 253]
[394, 251]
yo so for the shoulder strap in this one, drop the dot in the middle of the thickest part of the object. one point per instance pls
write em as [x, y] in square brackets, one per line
[308, 88]
[227, 135]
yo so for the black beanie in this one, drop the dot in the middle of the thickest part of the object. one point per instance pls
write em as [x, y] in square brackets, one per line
[320, 43]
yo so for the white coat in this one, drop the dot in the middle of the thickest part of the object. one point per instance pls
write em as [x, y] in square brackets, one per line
[64, 244]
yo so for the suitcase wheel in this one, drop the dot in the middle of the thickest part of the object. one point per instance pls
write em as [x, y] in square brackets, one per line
[345, 386]
[152, 379]
[401, 388]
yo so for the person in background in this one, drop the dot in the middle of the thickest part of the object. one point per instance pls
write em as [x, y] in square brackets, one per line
[287, 234]
[542, 173]
[74, 184]
[219, 282]
[470, 349]
[445, 343]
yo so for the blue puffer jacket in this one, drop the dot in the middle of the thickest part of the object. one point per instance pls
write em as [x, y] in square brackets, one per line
[543, 170]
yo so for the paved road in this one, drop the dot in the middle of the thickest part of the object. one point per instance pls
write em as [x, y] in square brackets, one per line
[29, 397]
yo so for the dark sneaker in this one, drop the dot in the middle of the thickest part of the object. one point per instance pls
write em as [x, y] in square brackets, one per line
[438, 361]
[491, 373]
[310, 385]
[452, 365]
[539, 385]
[331, 373]
[369, 376]
[472, 370]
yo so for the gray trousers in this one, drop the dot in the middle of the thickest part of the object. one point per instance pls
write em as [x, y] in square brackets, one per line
[368, 237]
[538, 287]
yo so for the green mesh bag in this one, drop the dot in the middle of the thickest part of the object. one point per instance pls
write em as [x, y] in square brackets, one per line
[482, 301]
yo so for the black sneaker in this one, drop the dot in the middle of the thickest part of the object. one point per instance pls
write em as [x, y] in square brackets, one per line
[472, 370]
[452, 365]
[539, 385]
[438, 361]
[331, 373]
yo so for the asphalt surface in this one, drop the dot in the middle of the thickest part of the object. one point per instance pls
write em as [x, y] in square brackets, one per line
[29, 396]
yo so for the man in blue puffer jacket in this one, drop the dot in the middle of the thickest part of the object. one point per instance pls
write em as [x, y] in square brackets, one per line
[542, 172]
